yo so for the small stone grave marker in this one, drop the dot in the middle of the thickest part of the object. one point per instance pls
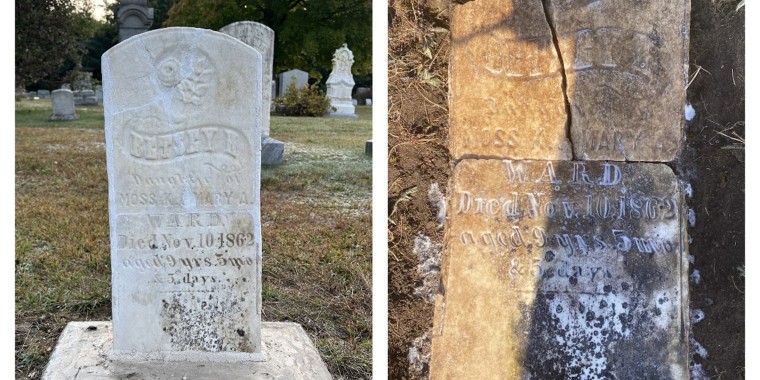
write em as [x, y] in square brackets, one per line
[563, 269]
[300, 77]
[63, 105]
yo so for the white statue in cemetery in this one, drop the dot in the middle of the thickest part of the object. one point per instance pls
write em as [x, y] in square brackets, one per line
[340, 83]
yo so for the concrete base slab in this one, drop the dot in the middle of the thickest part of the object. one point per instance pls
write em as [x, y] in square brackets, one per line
[84, 351]
[272, 151]
[55, 117]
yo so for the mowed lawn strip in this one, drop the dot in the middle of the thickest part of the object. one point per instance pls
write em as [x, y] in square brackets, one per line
[316, 230]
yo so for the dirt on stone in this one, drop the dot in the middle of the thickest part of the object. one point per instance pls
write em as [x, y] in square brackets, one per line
[710, 166]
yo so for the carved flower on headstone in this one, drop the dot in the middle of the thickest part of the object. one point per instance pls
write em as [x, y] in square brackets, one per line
[195, 86]
[168, 72]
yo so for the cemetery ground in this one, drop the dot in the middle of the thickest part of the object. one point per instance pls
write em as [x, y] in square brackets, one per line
[711, 167]
[316, 214]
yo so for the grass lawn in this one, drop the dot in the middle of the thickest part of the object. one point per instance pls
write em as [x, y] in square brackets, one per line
[316, 231]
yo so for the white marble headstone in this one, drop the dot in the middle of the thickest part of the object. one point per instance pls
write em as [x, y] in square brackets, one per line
[183, 156]
[261, 38]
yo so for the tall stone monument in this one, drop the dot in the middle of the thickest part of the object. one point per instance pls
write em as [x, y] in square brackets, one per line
[134, 17]
[63, 105]
[261, 38]
[554, 268]
[183, 158]
[340, 83]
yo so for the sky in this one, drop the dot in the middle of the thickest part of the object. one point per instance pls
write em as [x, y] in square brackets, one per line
[99, 8]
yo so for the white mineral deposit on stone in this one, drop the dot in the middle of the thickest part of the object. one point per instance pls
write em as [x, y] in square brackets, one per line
[697, 348]
[697, 315]
[697, 373]
[429, 267]
[691, 259]
[437, 200]
[687, 189]
[695, 277]
[692, 217]
[419, 353]
[689, 112]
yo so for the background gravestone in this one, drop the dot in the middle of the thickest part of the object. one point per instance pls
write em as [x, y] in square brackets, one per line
[183, 158]
[261, 38]
[563, 269]
[134, 17]
[85, 98]
[300, 77]
[340, 83]
[99, 93]
[63, 105]
[362, 94]
[43, 94]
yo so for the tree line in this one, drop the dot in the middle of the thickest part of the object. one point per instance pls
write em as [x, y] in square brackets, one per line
[56, 39]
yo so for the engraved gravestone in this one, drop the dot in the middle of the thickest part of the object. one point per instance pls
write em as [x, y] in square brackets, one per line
[63, 105]
[563, 269]
[183, 160]
[626, 65]
[299, 77]
[340, 83]
[261, 38]
[183, 154]
[506, 83]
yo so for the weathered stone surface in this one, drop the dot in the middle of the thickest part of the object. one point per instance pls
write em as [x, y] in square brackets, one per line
[272, 151]
[505, 83]
[85, 98]
[183, 153]
[63, 105]
[340, 83]
[134, 17]
[261, 38]
[626, 66]
[84, 353]
[562, 269]
[300, 77]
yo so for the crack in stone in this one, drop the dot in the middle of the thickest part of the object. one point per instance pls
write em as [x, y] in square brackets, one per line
[555, 39]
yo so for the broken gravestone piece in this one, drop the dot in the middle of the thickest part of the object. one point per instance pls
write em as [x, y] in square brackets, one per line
[563, 269]
[626, 65]
[506, 83]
